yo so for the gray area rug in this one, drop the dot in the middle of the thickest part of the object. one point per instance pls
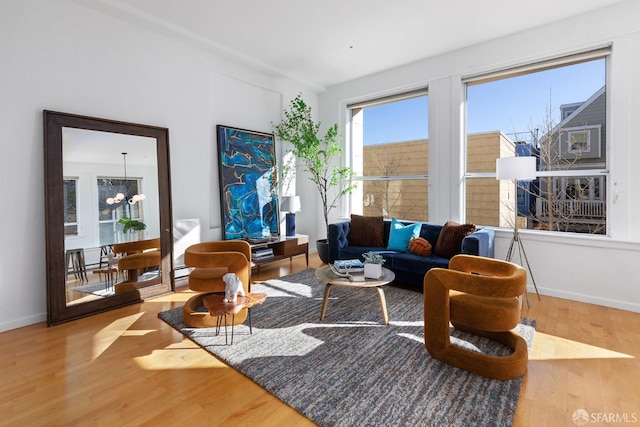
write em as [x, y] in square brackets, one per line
[99, 289]
[350, 369]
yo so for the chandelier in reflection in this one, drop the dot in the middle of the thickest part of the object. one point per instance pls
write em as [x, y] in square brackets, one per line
[120, 197]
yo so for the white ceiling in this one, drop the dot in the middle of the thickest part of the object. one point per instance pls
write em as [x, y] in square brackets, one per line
[96, 147]
[326, 42]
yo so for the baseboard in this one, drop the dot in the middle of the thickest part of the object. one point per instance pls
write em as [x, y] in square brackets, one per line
[590, 299]
[23, 321]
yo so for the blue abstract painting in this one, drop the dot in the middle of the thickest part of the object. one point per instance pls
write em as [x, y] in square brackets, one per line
[248, 184]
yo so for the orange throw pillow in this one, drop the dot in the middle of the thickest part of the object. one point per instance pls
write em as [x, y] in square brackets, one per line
[420, 246]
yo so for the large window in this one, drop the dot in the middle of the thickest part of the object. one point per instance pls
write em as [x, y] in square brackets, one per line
[110, 214]
[389, 143]
[70, 196]
[555, 111]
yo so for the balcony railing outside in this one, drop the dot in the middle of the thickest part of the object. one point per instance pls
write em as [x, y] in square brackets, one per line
[572, 211]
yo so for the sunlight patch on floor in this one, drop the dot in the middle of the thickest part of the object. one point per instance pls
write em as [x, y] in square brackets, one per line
[561, 348]
[412, 337]
[182, 355]
[138, 332]
[103, 339]
[175, 297]
[405, 323]
[281, 288]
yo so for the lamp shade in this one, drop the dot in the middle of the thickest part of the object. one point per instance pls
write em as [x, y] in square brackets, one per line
[290, 204]
[518, 168]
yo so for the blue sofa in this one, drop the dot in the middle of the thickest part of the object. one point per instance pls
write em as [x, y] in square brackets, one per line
[408, 267]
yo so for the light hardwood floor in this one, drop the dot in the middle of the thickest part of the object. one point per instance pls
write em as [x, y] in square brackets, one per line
[127, 367]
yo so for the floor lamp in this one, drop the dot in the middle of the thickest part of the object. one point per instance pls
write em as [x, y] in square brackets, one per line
[517, 169]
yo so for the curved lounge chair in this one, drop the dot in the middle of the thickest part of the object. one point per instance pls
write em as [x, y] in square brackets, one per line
[477, 295]
[137, 257]
[211, 261]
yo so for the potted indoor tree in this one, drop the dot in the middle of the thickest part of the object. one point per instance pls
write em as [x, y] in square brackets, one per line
[318, 154]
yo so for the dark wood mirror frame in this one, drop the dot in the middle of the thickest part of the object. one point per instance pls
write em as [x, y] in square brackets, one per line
[57, 309]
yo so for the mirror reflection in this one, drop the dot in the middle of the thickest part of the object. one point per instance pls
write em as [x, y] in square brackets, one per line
[111, 211]
[107, 230]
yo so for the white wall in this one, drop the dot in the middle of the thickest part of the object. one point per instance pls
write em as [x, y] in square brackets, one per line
[60, 55]
[597, 270]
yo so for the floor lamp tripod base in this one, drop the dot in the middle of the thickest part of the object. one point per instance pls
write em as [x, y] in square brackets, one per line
[518, 168]
[515, 241]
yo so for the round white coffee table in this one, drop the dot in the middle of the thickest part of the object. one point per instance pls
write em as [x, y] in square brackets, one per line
[326, 274]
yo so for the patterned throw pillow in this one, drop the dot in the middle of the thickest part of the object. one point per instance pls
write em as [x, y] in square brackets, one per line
[366, 231]
[449, 241]
[420, 246]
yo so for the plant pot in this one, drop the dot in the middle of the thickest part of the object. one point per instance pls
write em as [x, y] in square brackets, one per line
[322, 246]
[373, 271]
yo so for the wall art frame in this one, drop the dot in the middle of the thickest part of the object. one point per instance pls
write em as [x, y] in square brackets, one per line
[248, 184]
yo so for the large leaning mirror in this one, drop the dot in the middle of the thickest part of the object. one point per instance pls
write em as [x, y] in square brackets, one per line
[108, 214]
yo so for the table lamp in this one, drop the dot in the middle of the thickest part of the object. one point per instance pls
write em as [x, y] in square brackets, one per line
[290, 205]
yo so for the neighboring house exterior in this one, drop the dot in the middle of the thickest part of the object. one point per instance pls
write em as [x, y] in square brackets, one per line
[528, 191]
[406, 199]
[489, 201]
[578, 142]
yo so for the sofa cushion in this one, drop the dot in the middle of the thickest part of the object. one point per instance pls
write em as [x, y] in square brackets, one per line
[416, 263]
[430, 232]
[450, 238]
[400, 234]
[366, 231]
[420, 246]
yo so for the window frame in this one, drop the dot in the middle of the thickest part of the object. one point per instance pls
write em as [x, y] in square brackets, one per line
[112, 222]
[593, 147]
[600, 174]
[361, 178]
[584, 145]
[76, 223]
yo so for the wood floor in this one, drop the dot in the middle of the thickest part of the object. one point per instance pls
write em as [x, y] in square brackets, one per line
[127, 367]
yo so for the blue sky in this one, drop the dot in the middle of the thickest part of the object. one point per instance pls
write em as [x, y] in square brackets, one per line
[398, 121]
[517, 104]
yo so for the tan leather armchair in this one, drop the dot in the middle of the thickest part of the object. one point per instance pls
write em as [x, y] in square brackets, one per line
[477, 295]
[211, 261]
[137, 257]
